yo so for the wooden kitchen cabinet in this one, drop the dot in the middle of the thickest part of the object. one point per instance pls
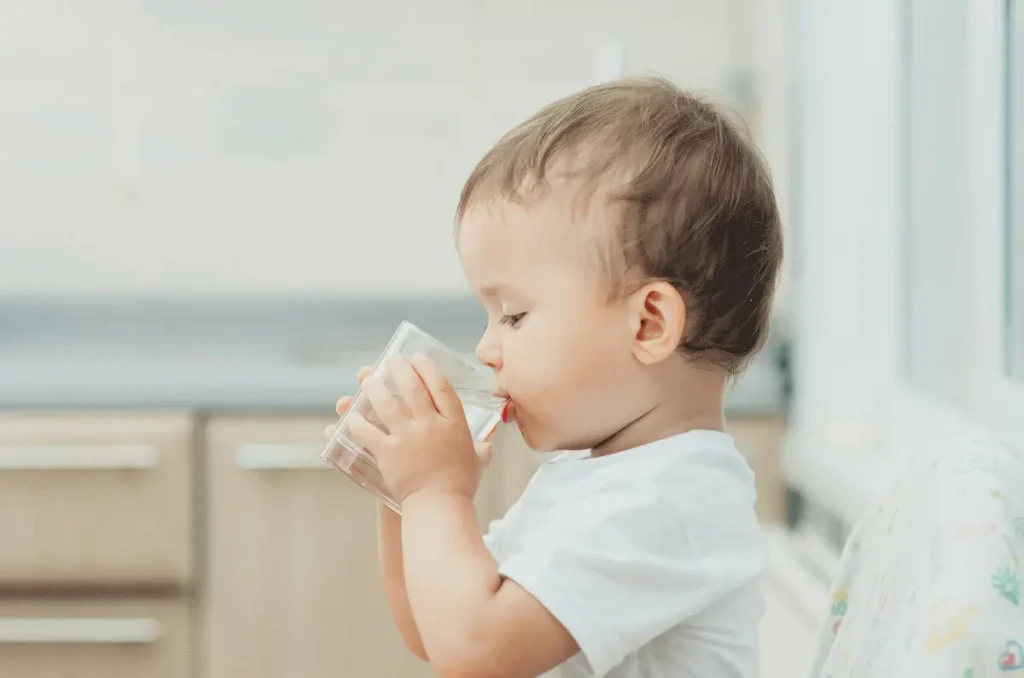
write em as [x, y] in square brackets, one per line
[292, 587]
[96, 501]
[91, 639]
[760, 439]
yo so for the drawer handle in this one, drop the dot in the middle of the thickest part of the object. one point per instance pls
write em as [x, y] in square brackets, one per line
[37, 631]
[258, 457]
[77, 457]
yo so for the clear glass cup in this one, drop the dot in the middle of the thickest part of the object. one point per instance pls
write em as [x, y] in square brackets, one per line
[471, 381]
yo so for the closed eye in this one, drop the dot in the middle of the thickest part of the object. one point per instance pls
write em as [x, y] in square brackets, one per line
[512, 320]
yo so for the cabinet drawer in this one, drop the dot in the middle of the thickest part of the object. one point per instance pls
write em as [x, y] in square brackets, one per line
[292, 587]
[95, 500]
[56, 639]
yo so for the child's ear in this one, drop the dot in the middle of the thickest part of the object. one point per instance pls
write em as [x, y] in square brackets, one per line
[658, 316]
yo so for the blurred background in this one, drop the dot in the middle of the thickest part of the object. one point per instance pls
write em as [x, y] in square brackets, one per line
[214, 212]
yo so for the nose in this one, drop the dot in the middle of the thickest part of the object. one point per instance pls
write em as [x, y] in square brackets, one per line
[488, 351]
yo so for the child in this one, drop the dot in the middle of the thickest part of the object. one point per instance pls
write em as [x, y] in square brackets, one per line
[625, 243]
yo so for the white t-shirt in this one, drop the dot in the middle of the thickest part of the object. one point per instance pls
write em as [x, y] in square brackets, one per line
[651, 558]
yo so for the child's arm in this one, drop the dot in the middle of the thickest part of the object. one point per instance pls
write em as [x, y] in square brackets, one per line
[472, 621]
[389, 553]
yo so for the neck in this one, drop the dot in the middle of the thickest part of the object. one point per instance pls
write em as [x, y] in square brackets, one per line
[686, 398]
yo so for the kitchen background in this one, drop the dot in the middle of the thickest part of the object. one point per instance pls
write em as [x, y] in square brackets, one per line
[214, 212]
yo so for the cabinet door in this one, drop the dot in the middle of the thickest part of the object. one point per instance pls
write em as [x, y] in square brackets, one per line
[292, 581]
[760, 440]
[95, 639]
[96, 500]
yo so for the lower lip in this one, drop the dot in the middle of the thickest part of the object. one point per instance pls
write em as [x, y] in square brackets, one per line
[506, 412]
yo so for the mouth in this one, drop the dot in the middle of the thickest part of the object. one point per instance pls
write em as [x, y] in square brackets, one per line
[510, 413]
[506, 409]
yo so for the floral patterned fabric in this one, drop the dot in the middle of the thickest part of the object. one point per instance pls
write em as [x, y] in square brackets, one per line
[930, 582]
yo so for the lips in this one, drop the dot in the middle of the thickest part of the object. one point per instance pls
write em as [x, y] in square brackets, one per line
[506, 410]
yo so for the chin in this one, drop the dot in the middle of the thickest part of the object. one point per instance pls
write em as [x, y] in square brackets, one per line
[536, 441]
[543, 442]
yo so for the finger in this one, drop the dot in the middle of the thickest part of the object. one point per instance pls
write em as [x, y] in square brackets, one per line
[410, 386]
[343, 404]
[346, 401]
[388, 407]
[446, 401]
[363, 433]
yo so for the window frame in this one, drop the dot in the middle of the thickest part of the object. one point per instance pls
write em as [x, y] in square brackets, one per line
[998, 399]
[851, 428]
[1014, 219]
[935, 210]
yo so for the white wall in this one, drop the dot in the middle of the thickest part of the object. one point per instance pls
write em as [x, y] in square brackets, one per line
[299, 147]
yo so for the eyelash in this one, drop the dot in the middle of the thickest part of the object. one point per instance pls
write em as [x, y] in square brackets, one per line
[512, 320]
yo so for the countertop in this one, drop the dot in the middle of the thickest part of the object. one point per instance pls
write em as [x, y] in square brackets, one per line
[238, 355]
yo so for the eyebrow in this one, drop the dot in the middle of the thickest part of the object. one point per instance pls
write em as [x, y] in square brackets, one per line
[492, 290]
[501, 291]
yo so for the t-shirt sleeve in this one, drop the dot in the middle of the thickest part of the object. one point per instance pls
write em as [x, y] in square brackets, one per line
[618, 571]
[494, 535]
[497, 531]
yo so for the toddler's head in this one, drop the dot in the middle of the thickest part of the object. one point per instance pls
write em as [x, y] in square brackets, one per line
[626, 243]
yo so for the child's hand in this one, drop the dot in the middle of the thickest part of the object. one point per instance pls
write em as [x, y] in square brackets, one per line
[428, 446]
[407, 455]
[484, 450]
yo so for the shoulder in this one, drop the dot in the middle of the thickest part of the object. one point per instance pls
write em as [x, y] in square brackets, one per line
[687, 492]
[689, 475]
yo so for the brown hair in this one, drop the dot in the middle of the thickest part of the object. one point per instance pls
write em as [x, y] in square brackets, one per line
[698, 206]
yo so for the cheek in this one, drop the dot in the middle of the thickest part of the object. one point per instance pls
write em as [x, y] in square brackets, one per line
[578, 402]
[561, 366]
[539, 357]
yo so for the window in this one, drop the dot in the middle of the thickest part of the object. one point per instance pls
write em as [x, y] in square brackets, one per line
[910, 294]
[935, 196]
[1015, 197]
